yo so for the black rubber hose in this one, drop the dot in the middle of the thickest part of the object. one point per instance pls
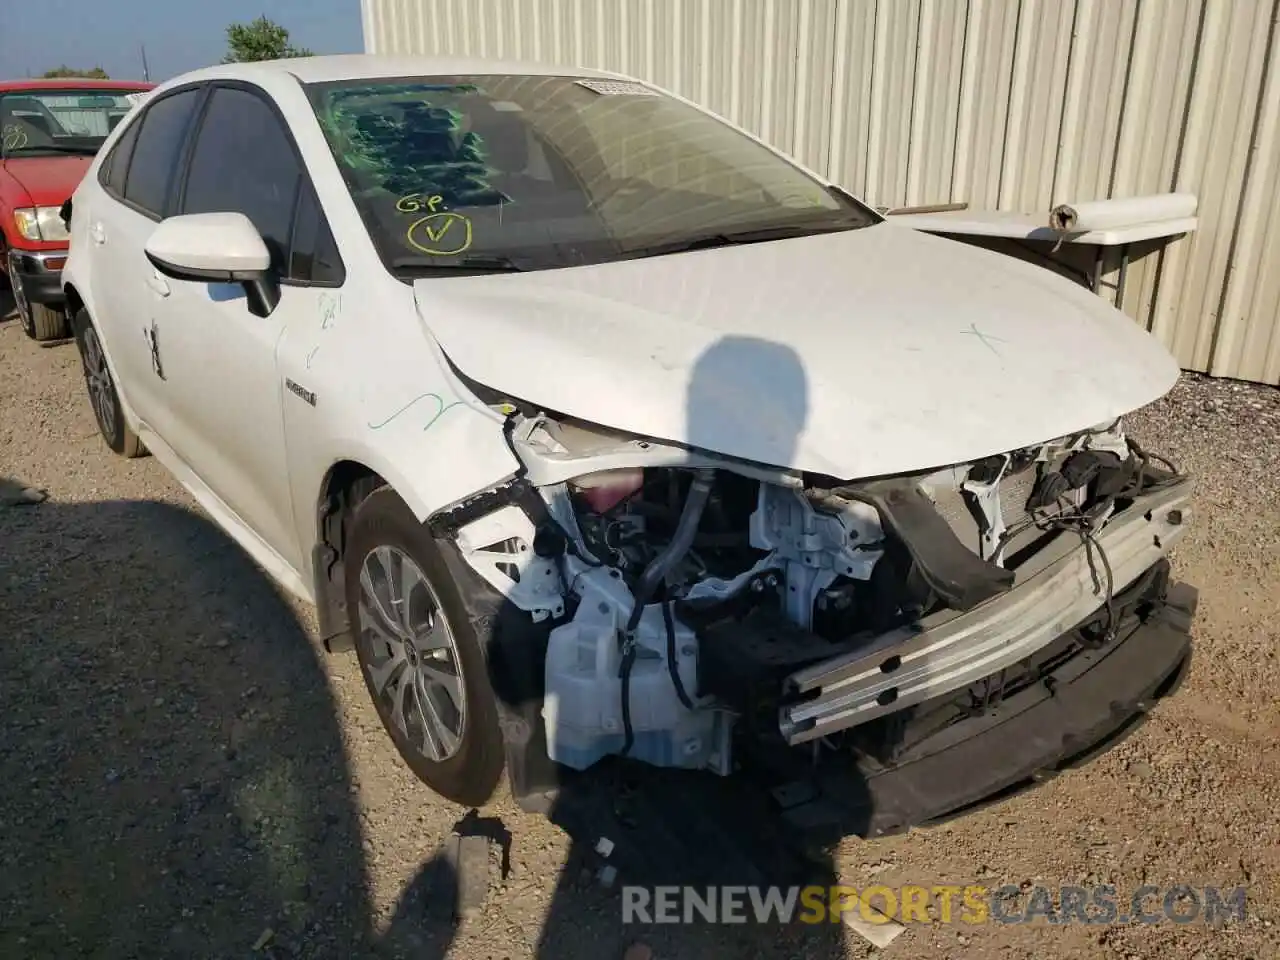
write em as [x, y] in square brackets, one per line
[686, 529]
[673, 666]
[628, 734]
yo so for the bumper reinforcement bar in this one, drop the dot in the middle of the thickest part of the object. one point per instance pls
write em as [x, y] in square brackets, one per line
[1052, 593]
[1080, 710]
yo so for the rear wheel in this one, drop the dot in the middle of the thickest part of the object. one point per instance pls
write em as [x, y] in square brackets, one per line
[419, 654]
[102, 391]
[39, 321]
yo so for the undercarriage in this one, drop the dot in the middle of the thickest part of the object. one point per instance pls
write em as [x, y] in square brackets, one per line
[874, 655]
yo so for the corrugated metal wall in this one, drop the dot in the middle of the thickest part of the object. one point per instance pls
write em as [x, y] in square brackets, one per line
[1005, 104]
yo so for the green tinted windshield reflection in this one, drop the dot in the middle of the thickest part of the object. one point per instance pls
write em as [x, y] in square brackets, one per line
[554, 171]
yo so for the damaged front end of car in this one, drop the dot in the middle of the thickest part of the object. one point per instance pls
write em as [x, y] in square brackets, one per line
[878, 654]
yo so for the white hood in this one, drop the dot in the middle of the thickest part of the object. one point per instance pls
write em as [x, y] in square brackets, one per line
[855, 354]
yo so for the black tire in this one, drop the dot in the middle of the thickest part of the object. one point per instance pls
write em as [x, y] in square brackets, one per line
[39, 321]
[101, 387]
[471, 774]
[47, 323]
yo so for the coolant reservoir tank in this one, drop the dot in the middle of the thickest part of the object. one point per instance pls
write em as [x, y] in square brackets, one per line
[605, 489]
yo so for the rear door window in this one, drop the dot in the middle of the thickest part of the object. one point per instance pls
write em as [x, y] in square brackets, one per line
[158, 151]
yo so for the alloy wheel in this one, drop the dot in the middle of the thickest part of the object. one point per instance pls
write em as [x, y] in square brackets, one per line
[97, 377]
[411, 656]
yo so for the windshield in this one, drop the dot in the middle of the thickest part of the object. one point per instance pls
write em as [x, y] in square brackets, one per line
[35, 122]
[532, 172]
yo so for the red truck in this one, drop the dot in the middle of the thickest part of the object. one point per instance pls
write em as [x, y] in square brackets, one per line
[49, 132]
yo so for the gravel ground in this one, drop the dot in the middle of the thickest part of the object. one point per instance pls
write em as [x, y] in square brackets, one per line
[183, 773]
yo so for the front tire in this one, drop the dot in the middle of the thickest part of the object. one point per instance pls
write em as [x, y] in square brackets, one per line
[39, 321]
[419, 653]
[103, 396]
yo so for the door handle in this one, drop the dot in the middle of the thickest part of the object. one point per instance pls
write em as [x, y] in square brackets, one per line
[97, 233]
[158, 284]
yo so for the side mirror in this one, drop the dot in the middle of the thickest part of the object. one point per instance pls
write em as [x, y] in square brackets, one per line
[216, 248]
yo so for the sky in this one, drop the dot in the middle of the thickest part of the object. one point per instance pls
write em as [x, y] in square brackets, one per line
[180, 35]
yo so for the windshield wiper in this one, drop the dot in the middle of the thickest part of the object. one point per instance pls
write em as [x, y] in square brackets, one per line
[736, 238]
[472, 264]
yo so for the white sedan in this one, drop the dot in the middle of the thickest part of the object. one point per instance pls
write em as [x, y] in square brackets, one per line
[599, 427]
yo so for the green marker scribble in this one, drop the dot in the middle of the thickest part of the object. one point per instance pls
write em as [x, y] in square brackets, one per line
[441, 408]
[395, 140]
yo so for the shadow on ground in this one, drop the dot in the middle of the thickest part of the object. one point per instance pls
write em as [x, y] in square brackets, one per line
[172, 777]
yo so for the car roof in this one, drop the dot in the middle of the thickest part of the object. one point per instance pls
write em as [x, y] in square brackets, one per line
[361, 66]
[72, 83]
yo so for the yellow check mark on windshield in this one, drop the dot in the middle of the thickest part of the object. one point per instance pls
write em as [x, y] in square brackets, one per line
[438, 234]
[429, 234]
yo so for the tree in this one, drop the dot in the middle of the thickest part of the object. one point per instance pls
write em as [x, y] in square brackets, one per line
[97, 73]
[262, 39]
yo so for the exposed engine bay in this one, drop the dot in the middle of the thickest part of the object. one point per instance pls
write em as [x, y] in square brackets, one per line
[693, 601]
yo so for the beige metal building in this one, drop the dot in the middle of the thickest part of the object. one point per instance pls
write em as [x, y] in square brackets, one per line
[1001, 104]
